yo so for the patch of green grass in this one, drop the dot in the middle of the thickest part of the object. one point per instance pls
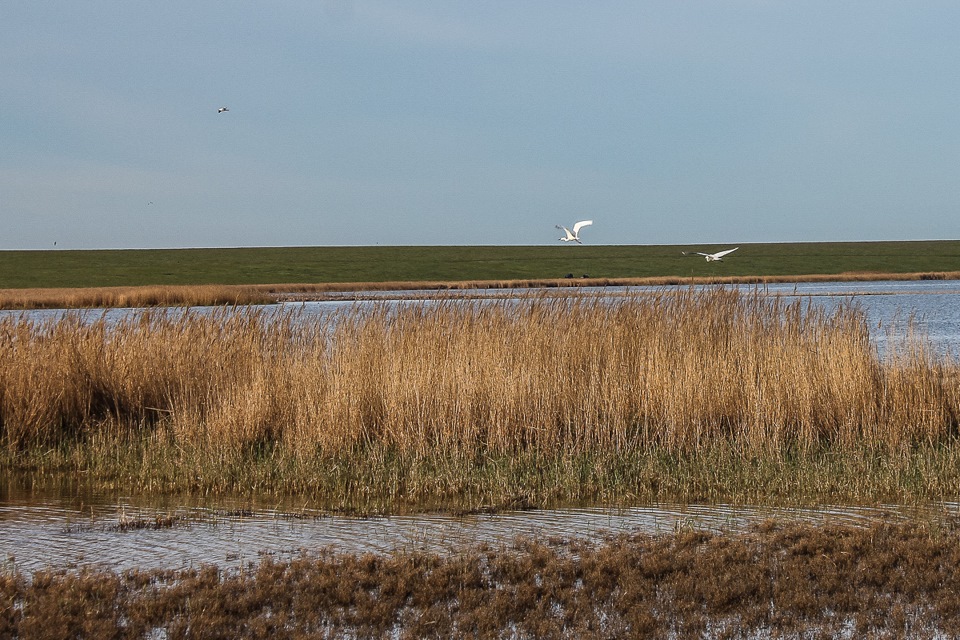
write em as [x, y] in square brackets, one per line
[287, 265]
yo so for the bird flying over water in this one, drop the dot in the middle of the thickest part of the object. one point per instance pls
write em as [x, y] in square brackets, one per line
[711, 257]
[222, 109]
[575, 235]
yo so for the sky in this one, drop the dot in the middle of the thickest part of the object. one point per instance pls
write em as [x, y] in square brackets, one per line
[419, 122]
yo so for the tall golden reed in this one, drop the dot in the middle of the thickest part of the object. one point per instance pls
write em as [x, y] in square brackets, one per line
[678, 371]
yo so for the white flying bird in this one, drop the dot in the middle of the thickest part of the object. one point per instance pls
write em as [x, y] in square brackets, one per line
[711, 257]
[575, 236]
[222, 109]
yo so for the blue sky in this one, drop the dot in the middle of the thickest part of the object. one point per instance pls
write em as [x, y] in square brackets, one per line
[481, 123]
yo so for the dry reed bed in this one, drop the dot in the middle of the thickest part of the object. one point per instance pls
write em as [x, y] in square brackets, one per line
[145, 296]
[675, 371]
[793, 581]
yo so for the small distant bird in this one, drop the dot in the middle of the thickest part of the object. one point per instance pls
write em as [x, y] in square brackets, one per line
[222, 109]
[711, 257]
[575, 236]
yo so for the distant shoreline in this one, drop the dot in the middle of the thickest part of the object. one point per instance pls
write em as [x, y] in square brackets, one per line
[227, 294]
[213, 295]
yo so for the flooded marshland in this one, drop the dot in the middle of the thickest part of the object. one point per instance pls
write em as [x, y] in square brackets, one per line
[777, 579]
[72, 528]
[421, 382]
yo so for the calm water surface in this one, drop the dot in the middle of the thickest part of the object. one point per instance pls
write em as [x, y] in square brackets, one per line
[64, 529]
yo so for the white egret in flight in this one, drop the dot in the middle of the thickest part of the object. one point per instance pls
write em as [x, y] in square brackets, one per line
[575, 236]
[711, 257]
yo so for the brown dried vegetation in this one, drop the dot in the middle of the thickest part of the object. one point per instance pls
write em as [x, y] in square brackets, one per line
[147, 296]
[791, 581]
[409, 401]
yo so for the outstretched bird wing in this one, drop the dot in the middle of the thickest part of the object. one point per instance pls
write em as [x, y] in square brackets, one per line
[720, 254]
[580, 225]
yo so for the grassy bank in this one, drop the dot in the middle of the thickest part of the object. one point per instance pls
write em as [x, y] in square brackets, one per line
[313, 265]
[676, 395]
[779, 581]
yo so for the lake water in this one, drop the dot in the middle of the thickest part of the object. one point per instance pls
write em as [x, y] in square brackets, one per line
[59, 530]
[68, 529]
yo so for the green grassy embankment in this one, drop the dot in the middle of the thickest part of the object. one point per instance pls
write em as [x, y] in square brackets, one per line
[284, 265]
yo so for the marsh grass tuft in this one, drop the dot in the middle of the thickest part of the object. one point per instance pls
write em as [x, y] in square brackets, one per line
[673, 393]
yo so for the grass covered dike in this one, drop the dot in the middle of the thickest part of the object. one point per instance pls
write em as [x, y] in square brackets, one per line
[678, 395]
[445, 265]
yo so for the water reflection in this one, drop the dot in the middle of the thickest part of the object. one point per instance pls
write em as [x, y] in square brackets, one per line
[47, 530]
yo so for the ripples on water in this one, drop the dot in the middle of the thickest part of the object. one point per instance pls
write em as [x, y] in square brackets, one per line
[47, 531]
